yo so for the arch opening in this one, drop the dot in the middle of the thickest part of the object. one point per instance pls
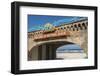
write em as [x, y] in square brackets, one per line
[84, 25]
[70, 51]
[80, 27]
[76, 28]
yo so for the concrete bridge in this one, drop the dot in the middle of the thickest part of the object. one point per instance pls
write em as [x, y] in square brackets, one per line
[42, 44]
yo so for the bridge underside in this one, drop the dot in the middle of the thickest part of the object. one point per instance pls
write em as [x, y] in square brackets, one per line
[46, 51]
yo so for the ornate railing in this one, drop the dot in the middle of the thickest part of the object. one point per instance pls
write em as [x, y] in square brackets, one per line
[58, 34]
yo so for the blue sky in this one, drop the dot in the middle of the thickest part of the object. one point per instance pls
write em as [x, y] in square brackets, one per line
[70, 48]
[36, 22]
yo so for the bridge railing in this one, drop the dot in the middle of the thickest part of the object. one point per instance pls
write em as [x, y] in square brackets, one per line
[51, 35]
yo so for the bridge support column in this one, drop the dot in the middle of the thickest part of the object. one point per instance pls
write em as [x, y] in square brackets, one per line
[84, 46]
[84, 40]
[50, 52]
[43, 52]
[40, 52]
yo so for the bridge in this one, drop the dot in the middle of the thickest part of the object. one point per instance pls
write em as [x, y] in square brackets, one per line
[42, 44]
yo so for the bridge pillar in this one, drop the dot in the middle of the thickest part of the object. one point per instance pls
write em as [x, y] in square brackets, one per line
[50, 52]
[84, 41]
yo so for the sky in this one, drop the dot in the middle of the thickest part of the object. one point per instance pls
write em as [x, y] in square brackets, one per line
[37, 22]
[70, 48]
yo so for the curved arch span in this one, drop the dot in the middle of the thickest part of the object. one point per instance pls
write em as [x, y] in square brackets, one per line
[46, 51]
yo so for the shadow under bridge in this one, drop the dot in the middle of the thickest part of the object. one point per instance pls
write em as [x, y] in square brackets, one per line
[46, 51]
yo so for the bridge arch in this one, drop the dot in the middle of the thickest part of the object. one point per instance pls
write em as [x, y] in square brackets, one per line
[46, 50]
